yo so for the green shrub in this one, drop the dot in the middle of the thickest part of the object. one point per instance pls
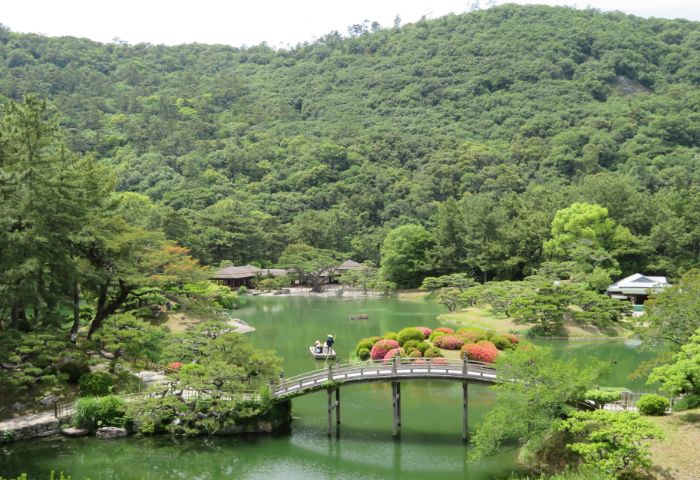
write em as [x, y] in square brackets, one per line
[242, 290]
[423, 346]
[96, 412]
[652, 404]
[97, 384]
[687, 403]
[363, 343]
[435, 335]
[363, 354]
[501, 342]
[433, 352]
[411, 344]
[74, 369]
[415, 353]
[390, 336]
[374, 339]
[410, 333]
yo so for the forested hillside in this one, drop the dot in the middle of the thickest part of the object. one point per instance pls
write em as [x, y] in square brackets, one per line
[476, 127]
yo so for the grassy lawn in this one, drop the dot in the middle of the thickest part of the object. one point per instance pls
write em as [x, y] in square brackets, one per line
[484, 318]
[412, 295]
[677, 455]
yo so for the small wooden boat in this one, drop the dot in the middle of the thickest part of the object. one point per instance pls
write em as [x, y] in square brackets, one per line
[359, 316]
[324, 355]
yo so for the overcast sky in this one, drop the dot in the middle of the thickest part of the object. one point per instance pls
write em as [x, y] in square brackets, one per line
[278, 22]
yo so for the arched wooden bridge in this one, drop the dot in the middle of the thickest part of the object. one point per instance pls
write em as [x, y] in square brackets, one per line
[395, 371]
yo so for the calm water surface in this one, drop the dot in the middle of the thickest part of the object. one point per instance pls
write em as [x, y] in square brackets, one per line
[430, 445]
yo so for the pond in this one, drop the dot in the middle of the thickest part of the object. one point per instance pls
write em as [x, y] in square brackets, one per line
[430, 445]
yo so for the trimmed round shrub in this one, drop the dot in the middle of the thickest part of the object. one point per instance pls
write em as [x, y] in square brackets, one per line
[444, 330]
[415, 354]
[381, 348]
[389, 336]
[409, 333]
[426, 331]
[651, 404]
[479, 353]
[97, 384]
[364, 343]
[487, 343]
[436, 335]
[395, 352]
[472, 334]
[242, 290]
[363, 354]
[433, 352]
[423, 346]
[501, 342]
[411, 344]
[449, 342]
[512, 338]
[374, 339]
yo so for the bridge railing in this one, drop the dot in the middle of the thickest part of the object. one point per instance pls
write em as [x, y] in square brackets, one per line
[381, 369]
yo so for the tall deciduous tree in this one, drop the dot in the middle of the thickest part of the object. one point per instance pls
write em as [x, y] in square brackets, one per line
[404, 255]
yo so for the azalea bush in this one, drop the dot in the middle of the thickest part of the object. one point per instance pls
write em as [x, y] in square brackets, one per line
[501, 342]
[479, 353]
[389, 336]
[444, 330]
[512, 338]
[395, 352]
[472, 334]
[426, 331]
[410, 333]
[365, 344]
[433, 352]
[436, 335]
[382, 347]
[449, 342]
[363, 354]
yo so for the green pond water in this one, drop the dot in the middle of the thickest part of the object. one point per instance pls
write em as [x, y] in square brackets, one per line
[429, 447]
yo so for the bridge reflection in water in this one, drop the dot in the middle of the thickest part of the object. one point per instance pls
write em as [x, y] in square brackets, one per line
[394, 371]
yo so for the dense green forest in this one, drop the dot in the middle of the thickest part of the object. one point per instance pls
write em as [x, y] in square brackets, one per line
[477, 128]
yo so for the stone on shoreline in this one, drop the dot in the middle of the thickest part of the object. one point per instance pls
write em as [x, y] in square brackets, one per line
[75, 432]
[110, 432]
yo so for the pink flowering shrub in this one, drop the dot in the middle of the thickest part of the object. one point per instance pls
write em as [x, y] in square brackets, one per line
[479, 353]
[400, 352]
[426, 331]
[449, 342]
[444, 330]
[381, 348]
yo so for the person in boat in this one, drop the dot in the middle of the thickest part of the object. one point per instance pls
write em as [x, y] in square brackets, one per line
[329, 343]
[318, 347]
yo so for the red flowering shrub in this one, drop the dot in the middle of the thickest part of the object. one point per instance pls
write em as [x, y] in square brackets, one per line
[487, 344]
[381, 348]
[449, 342]
[175, 365]
[444, 330]
[479, 353]
[394, 352]
[426, 331]
[471, 334]
[512, 338]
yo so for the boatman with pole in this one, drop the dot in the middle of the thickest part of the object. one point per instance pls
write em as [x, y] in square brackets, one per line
[329, 343]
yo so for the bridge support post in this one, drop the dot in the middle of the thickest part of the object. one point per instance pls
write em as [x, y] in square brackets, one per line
[330, 412]
[465, 411]
[337, 407]
[396, 403]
